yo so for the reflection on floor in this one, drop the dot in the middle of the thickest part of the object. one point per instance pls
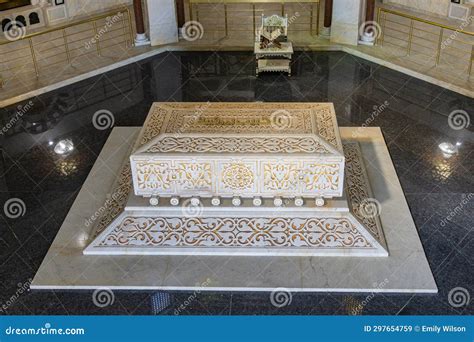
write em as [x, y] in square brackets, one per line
[414, 122]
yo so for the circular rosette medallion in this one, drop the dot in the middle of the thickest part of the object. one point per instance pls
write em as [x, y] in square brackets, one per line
[237, 176]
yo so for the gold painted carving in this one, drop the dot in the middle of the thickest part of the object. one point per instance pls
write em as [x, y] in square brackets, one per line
[236, 232]
[321, 176]
[358, 188]
[171, 176]
[304, 118]
[237, 176]
[238, 145]
[281, 176]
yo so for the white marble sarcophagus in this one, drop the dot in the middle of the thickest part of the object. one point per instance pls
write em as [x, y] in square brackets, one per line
[240, 179]
[243, 150]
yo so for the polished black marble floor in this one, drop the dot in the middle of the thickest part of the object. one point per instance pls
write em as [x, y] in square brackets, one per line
[439, 189]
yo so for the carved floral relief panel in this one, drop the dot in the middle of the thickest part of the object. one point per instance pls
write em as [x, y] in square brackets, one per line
[171, 177]
[281, 176]
[245, 177]
[237, 177]
[321, 176]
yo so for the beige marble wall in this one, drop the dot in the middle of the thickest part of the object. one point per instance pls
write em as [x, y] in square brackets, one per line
[50, 50]
[437, 7]
[162, 21]
[240, 19]
[77, 8]
[346, 18]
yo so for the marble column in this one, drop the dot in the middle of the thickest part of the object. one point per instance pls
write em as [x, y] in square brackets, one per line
[327, 17]
[163, 22]
[370, 30]
[141, 38]
[346, 21]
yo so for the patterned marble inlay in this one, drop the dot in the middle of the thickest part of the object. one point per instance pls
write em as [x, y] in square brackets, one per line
[236, 232]
[238, 144]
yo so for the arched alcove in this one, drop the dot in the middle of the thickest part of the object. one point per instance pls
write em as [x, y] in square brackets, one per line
[5, 24]
[20, 20]
[34, 18]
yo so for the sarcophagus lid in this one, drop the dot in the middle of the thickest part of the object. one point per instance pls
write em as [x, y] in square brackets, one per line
[239, 149]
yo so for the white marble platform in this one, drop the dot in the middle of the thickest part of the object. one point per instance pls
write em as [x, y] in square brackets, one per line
[405, 270]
